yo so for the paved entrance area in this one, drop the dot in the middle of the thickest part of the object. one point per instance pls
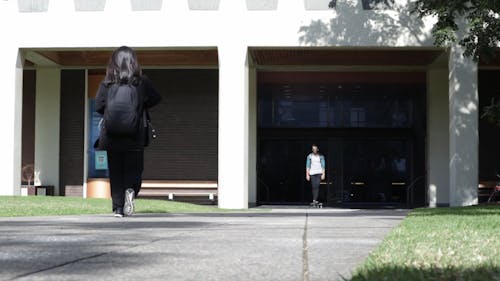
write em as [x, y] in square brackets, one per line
[283, 244]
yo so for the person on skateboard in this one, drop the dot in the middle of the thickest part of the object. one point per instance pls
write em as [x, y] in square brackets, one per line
[315, 171]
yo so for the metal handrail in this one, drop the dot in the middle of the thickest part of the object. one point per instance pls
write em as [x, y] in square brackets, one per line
[266, 187]
[409, 191]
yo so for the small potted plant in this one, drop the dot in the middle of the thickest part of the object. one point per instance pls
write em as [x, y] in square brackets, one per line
[27, 176]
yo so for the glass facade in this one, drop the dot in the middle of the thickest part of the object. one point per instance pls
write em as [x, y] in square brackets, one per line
[372, 135]
[336, 106]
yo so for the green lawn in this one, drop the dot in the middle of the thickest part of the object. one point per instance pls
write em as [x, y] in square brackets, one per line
[14, 206]
[439, 244]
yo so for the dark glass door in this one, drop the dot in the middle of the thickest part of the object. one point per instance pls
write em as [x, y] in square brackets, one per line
[376, 171]
[281, 171]
[372, 134]
[360, 172]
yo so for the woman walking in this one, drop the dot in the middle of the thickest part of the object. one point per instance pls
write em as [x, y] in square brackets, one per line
[123, 98]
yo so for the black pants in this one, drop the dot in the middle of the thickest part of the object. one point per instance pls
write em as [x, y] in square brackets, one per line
[315, 182]
[125, 171]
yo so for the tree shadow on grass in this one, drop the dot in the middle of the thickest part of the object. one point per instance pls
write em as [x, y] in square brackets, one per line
[408, 273]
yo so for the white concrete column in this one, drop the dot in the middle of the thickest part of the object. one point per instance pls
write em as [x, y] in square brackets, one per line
[47, 112]
[233, 127]
[463, 129]
[438, 170]
[11, 71]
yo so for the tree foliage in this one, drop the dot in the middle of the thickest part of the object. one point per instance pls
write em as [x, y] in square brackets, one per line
[482, 30]
[480, 35]
[492, 112]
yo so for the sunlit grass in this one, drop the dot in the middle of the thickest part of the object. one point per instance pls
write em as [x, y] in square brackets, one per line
[14, 206]
[439, 244]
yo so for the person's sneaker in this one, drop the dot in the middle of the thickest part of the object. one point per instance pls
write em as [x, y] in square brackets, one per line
[118, 212]
[128, 208]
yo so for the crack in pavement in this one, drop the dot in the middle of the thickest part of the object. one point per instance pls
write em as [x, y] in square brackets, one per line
[81, 259]
[305, 258]
[58, 265]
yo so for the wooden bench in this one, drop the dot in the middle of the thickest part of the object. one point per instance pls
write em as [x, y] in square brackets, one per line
[485, 189]
[173, 188]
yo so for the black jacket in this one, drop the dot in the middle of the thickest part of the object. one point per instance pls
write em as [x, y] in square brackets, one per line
[151, 97]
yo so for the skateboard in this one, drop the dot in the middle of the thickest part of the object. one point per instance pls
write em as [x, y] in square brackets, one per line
[316, 205]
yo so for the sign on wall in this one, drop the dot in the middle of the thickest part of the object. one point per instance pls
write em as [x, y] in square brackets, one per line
[101, 160]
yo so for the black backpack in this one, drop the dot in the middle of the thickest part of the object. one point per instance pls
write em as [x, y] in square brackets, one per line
[123, 112]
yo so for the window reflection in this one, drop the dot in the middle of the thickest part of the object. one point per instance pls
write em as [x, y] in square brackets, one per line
[337, 106]
[375, 171]
[357, 117]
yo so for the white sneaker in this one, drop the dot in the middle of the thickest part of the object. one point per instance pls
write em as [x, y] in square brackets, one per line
[118, 213]
[128, 208]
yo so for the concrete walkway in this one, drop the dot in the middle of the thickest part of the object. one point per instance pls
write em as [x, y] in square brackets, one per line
[284, 244]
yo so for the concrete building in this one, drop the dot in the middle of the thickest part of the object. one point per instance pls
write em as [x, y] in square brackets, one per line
[248, 86]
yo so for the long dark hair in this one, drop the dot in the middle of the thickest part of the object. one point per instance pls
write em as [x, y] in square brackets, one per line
[123, 67]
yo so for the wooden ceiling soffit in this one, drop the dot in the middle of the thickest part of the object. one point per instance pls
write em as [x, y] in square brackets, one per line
[38, 59]
[146, 58]
[344, 57]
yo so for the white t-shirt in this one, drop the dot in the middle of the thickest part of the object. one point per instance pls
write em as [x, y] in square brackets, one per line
[315, 165]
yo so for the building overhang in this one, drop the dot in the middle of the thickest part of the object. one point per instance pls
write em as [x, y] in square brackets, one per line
[98, 58]
[344, 57]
